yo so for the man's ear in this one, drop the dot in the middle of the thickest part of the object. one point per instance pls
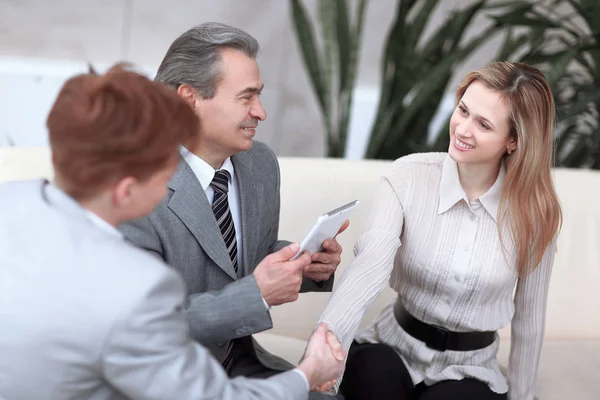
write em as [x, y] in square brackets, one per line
[124, 191]
[189, 94]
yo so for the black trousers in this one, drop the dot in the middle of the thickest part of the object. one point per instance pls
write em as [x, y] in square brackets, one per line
[375, 371]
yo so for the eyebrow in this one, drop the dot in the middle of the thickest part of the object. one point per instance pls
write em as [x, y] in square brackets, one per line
[462, 103]
[251, 90]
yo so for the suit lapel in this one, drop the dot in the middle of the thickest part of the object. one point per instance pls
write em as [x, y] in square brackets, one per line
[251, 201]
[190, 204]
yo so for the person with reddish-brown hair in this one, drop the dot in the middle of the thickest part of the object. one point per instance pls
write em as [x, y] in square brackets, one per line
[87, 315]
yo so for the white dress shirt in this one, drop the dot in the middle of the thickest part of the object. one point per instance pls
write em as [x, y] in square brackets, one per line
[205, 174]
[443, 256]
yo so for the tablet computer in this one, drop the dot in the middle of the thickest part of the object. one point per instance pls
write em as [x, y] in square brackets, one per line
[326, 227]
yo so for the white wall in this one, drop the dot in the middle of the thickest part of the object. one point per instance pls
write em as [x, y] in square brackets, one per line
[71, 33]
[29, 87]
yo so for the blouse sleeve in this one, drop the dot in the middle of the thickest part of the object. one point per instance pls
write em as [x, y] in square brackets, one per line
[365, 278]
[527, 328]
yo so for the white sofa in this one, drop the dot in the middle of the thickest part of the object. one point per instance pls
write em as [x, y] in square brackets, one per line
[570, 364]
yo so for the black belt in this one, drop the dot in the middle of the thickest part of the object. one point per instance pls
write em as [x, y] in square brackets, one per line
[438, 338]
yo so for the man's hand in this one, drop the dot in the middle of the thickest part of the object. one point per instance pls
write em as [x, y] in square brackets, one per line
[325, 263]
[279, 279]
[323, 360]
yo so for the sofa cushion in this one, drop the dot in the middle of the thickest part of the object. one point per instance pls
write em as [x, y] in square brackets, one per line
[288, 348]
[568, 369]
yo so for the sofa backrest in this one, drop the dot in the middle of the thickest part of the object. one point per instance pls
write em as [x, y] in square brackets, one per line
[311, 186]
[25, 163]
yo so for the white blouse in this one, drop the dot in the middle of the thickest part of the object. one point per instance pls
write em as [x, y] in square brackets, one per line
[442, 255]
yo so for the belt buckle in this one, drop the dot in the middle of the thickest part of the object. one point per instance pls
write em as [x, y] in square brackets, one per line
[438, 340]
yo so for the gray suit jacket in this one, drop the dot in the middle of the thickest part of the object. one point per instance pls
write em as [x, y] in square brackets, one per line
[183, 231]
[86, 315]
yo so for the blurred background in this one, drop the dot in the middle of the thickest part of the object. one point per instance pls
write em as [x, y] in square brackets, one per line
[343, 78]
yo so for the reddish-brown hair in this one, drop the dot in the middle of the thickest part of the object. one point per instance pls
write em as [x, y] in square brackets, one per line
[105, 127]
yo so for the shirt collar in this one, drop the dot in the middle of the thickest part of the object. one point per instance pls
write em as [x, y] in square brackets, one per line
[204, 171]
[451, 191]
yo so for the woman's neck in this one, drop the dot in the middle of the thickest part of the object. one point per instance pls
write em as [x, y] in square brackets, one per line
[477, 179]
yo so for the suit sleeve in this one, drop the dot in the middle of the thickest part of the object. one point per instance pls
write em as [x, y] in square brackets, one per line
[208, 326]
[232, 320]
[149, 355]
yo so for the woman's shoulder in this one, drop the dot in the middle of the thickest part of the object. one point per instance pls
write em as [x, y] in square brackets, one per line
[417, 162]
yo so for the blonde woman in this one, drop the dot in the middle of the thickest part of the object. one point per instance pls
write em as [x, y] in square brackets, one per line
[454, 234]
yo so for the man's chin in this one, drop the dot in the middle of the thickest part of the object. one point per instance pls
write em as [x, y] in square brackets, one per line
[247, 144]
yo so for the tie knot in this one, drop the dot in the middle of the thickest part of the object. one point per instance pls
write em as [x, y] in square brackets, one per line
[221, 180]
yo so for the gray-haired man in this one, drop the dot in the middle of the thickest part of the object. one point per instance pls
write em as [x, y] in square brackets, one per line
[233, 181]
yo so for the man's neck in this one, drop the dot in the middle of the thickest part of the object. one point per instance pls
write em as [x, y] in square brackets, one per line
[214, 158]
[477, 179]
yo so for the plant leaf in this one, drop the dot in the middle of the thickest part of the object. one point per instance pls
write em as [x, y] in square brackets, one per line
[346, 92]
[305, 35]
[344, 41]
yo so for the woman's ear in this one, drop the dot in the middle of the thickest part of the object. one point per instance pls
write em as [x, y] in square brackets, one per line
[512, 144]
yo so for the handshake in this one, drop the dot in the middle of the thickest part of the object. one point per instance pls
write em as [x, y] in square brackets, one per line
[323, 360]
[279, 279]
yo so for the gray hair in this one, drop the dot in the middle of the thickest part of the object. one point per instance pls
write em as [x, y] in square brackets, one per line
[194, 58]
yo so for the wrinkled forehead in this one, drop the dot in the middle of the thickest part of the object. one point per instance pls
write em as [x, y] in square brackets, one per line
[238, 71]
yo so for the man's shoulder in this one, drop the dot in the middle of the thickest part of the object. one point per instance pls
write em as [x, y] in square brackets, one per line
[261, 148]
[260, 158]
[125, 271]
[18, 192]
[116, 254]
[22, 206]
[262, 153]
[138, 267]
[89, 258]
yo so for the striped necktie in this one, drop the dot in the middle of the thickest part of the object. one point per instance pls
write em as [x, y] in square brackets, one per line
[220, 206]
[222, 213]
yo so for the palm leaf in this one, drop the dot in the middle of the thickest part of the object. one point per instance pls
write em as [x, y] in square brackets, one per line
[347, 83]
[311, 58]
[344, 40]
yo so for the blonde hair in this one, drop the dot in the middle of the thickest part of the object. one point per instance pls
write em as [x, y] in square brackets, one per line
[529, 205]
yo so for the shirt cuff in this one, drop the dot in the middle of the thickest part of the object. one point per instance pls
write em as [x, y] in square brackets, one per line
[304, 378]
[267, 306]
